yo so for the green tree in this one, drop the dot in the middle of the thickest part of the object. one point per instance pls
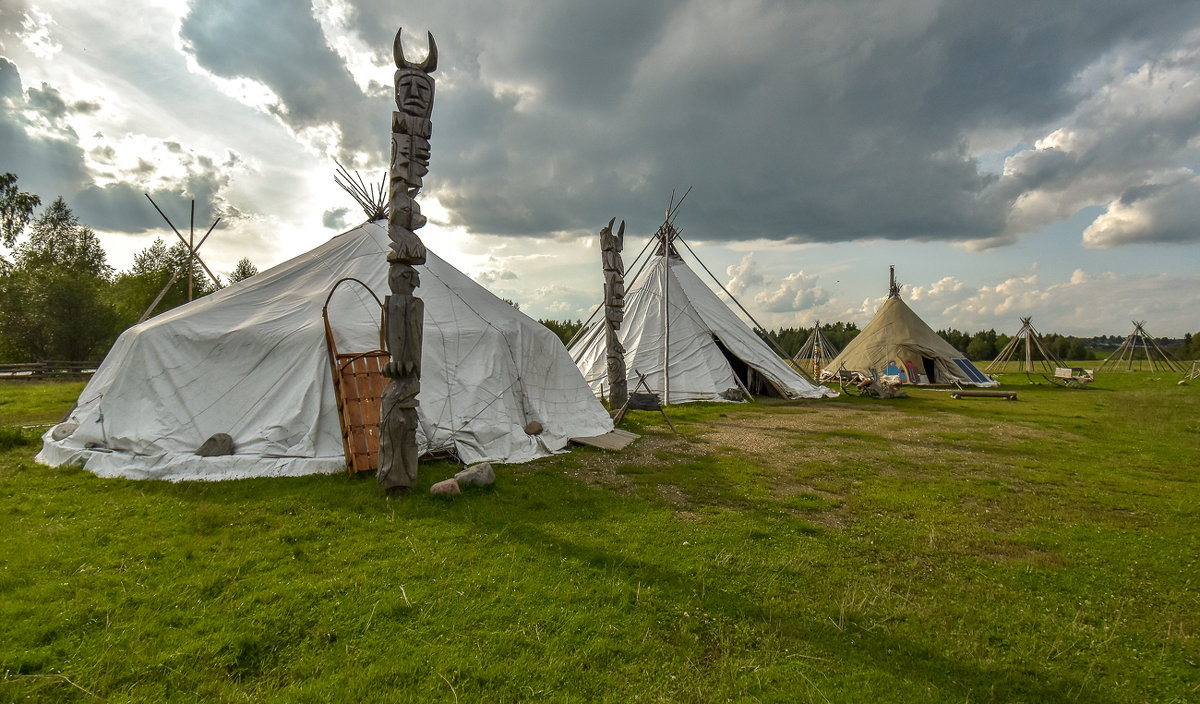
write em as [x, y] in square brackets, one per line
[565, 329]
[244, 270]
[15, 209]
[1076, 350]
[53, 302]
[153, 268]
[958, 339]
[982, 346]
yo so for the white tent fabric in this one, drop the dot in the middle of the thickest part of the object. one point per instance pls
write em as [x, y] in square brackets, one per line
[700, 324]
[250, 360]
[897, 340]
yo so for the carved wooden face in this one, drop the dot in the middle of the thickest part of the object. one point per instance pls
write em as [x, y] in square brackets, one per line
[414, 93]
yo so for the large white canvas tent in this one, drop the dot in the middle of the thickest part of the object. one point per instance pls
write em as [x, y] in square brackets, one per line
[251, 361]
[898, 343]
[705, 350]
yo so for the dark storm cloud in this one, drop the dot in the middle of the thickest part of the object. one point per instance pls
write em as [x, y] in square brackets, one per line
[815, 122]
[821, 122]
[123, 207]
[49, 165]
[282, 46]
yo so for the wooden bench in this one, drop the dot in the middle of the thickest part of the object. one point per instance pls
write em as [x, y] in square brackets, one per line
[1073, 376]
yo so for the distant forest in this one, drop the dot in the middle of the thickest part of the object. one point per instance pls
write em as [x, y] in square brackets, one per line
[61, 300]
[980, 346]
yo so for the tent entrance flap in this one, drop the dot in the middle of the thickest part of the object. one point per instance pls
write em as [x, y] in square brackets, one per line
[750, 380]
[930, 370]
[358, 384]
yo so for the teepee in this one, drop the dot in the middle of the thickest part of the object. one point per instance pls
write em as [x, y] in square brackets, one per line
[685, 340]
[1020, 349]
[817, 351]
[898, 343]
[1141, 349]
[251, 361]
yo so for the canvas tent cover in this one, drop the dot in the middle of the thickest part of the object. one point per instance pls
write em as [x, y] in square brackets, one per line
[897, 335]
[250, 360]
[698, 369]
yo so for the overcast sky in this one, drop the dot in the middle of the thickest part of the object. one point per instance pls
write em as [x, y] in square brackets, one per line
[1009, 158]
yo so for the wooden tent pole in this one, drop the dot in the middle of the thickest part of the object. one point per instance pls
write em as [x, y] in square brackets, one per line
[666, 261]
[191, 248]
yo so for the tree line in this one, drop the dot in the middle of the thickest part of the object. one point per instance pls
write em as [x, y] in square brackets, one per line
[60, 299]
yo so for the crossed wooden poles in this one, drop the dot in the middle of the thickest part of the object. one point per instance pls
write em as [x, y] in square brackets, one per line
[193, 249]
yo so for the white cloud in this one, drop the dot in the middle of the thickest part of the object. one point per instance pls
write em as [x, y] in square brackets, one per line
[797, 292]
[946, 287]
[1163, 213]
[743, 275]
[37, 35]
[1085, 304]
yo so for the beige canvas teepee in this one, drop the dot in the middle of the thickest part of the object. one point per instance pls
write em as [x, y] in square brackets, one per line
[898, 343]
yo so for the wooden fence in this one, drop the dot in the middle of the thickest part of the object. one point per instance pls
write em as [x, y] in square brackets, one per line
[47, 370]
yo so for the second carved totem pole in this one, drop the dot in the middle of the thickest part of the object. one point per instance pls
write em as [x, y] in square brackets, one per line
[614, 312]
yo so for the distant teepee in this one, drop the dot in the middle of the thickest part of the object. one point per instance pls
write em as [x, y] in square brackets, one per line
[1152, 354]
[816, 353]
[898, 343]
[1023, 344]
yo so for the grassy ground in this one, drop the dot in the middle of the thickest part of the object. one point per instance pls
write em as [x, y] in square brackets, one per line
[913, 550]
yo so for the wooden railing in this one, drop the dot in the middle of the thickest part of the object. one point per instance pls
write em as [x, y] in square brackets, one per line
[45, 370]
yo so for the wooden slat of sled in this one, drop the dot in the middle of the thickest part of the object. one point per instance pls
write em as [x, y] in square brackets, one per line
[360, 389]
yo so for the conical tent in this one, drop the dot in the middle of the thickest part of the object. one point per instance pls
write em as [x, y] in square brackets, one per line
[817, 351]
[251, 361]
[898, 343]
[1141, 349]
[1021, 349]
[709, 353]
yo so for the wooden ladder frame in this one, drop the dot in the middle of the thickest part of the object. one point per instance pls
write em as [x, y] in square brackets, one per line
[358, 384]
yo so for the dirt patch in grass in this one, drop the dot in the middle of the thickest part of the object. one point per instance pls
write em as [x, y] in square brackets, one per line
[603, 469]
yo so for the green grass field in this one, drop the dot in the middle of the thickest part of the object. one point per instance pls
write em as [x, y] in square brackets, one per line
[920, 549]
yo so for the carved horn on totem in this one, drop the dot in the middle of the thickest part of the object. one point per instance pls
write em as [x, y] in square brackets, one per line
[429, 65]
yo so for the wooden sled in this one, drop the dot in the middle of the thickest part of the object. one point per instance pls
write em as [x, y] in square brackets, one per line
[358, 384]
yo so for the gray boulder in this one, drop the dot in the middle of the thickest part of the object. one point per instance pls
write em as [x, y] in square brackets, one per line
[218, 444]
[477, 475]
[63, 430]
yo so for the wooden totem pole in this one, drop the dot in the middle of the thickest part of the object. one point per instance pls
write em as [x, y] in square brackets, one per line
[614, 311]
[411, 130]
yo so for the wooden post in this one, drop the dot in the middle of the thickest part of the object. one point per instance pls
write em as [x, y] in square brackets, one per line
[191, 248]
[666, 263]
[405, 313]
[614, 311]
